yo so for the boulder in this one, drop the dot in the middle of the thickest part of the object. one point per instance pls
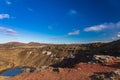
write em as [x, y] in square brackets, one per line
[102, 59]
[114, 75]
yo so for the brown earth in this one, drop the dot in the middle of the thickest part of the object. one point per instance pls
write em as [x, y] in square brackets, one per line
[82, 71]
[65, 68]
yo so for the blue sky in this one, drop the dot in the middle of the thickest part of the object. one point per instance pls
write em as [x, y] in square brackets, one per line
[59, 21]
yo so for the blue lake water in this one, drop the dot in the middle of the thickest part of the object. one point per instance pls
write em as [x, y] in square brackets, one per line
[14, 71]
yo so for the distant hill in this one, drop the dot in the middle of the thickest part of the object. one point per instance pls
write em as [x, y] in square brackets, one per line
[112, 48]
[18, 44]
[15, 43]
[12, 45]
[34, 44]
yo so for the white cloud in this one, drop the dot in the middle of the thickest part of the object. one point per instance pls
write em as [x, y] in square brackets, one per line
[2, 28]
[95, 28]
[103, 26]
[8, 2]
[118, 35]
[3, 16]
[72, 12]
[76, 32]
[8, 31]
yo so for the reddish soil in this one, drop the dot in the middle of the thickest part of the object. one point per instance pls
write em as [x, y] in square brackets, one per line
[81, 71]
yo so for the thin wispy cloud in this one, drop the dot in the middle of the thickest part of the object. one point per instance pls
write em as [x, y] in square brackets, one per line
[58, 37]
[103, 27]
[113, 38]
[72, 12]
[55, 37]
[4, 16]
[8, 31]
[11, 32]
[76, 32]
[30, 9]
[8, 2]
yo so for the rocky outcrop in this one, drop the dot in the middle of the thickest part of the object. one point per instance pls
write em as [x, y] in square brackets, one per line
[102, 59]
[114, 75]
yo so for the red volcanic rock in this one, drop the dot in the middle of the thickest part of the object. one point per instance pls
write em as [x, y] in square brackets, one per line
[81, 71]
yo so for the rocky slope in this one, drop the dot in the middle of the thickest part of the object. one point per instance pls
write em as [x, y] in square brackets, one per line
[60, 62]
[82, 71]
